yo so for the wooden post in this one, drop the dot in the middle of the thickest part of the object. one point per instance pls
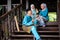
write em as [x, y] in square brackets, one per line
[58, 14]
[20, 12]
[16, 23]
[9, 5]
[27, 4]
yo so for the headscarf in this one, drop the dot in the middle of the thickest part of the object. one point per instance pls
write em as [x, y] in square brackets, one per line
[31, 6]
[44, 6]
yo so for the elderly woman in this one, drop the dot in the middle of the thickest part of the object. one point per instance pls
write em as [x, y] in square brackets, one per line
[44, 12]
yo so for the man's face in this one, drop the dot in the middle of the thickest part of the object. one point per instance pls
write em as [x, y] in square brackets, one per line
[42, 6]
[30, 12]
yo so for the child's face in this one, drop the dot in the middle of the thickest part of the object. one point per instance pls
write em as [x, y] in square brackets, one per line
[42, 6]
[30, 12]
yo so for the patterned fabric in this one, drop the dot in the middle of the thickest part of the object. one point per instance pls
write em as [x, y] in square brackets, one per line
[26, 29]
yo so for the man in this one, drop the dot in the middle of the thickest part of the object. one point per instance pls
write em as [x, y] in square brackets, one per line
[29, 22]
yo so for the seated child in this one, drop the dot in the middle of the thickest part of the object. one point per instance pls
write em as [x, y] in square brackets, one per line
[28, 22]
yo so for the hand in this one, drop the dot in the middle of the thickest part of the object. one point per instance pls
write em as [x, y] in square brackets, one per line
[32, 20]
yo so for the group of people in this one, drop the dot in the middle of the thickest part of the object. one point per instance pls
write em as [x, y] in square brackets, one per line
[35, 18]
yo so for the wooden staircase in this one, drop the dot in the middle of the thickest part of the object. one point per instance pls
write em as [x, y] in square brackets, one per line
[50, 32]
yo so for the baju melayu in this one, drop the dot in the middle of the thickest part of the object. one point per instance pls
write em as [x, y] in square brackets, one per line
[27, 21]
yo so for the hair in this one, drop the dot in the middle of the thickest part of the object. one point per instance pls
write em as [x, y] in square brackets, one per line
[44, 5]
[31, 6]
[27, 10]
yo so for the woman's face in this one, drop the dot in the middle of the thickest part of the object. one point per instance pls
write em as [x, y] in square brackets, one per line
[33, 7]
[42, 6]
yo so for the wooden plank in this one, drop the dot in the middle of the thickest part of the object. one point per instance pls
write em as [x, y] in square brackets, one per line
[39, 31]
[49, 23]
[17, 26]
[52, 36]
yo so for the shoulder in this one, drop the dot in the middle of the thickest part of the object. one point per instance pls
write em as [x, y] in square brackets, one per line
[25, 16]
[46, 9]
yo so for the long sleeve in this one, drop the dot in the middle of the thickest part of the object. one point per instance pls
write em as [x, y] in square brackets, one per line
[25, 21]
[45, 13]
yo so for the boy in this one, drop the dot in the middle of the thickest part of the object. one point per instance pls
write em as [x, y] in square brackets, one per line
[28, 22]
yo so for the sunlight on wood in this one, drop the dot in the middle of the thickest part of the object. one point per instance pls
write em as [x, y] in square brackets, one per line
[15, 17]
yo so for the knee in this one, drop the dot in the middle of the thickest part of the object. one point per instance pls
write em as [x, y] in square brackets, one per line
[33, 28]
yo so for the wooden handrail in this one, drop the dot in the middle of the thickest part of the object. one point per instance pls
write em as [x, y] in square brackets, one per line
[5, 14]
[11, 4]
[17, 26]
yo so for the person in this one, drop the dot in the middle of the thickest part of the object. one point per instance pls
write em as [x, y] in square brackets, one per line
[28, 22]
[44, 12]
[34, 12]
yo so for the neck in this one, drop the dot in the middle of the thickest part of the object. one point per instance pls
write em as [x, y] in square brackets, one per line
[28, 14]
[43, 9]
[32, 9]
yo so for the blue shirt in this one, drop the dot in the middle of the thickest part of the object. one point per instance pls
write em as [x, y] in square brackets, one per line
[44, 13]
[27, 20]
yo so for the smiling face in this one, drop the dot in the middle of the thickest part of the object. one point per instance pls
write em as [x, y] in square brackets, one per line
[33, 7]
[29, 12]
[42, 6]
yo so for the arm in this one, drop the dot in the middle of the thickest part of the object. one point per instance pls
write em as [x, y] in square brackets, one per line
[45, 13]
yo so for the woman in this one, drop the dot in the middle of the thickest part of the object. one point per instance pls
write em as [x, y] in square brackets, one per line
[34, 12]
[44, 11]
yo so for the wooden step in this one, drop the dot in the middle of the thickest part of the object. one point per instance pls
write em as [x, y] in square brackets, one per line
[46, 28]
[40, 32]
[48, 36]
[49, 24]
[52, 23]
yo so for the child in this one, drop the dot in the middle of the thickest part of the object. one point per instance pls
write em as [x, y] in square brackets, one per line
[28, 22]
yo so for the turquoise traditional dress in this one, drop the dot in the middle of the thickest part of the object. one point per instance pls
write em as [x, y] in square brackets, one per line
[44, 13]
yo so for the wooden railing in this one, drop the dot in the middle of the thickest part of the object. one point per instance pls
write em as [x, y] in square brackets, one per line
[7, 21]
[5, 8]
